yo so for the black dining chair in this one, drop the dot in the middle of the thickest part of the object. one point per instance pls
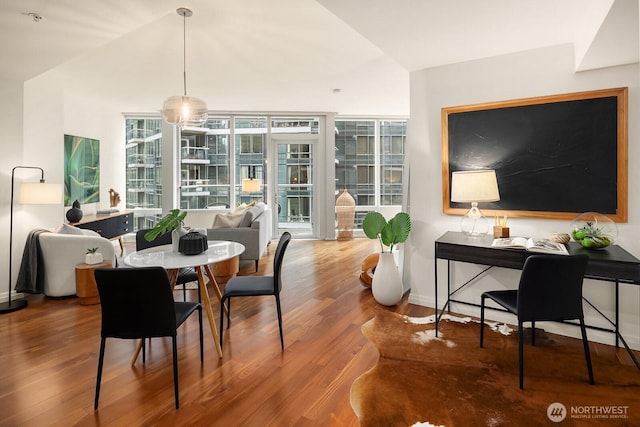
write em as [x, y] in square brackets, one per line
[137, 303]
[248, 286]
[185, 275]
[550, 289]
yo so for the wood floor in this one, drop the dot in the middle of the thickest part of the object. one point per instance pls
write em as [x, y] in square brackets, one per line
[48, 355]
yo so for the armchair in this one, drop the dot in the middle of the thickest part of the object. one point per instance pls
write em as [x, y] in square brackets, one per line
[62, 252]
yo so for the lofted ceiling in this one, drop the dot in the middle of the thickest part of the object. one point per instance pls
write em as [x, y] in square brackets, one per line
[291, 55]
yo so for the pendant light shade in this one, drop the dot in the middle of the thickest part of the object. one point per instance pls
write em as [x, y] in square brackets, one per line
[183, 110]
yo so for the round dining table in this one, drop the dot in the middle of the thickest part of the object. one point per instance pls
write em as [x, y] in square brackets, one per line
[164, 256]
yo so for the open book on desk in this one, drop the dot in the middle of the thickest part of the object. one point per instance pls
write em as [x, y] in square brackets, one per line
[530, 244]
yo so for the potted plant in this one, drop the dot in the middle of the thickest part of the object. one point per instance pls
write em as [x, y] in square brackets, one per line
[170, 223]
[387, 284]
[92, 256]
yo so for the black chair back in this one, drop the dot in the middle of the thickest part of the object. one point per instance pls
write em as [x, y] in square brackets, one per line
[551, 287]
[142, 243]
[136, 302]
[277, 260]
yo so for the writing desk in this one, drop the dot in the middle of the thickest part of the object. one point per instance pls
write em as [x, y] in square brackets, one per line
[612, 264]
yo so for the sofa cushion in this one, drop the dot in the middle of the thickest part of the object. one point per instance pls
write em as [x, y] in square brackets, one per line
[229, 220]
[251, 214]
[69, 229]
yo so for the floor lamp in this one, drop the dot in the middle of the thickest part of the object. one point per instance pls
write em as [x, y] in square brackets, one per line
[31, 193]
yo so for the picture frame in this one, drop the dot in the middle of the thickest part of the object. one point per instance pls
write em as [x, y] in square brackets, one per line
[555, 156]
[81, 170]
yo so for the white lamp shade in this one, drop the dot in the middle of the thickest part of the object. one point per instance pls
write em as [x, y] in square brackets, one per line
[251, 185]
[474, 186]
[40, 193]
[185, 111]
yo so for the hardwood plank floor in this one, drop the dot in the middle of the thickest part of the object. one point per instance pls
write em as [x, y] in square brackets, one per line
[48, 355]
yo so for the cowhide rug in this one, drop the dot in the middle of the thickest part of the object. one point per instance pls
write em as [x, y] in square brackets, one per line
[450, 381]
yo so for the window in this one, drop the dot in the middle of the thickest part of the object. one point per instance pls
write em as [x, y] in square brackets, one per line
[370, 162]
[204, 165]
[143, 150]
[251, 155]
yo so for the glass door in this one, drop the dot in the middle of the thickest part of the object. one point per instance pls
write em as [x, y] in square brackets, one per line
[295, 204]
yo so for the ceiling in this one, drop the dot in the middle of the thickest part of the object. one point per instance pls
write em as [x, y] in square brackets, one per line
[291, 55]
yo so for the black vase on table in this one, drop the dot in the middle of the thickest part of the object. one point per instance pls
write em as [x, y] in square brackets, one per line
[75, 213]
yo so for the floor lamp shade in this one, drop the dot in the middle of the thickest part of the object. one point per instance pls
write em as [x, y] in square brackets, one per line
[31, 193]
[473, 187]
[40, 193]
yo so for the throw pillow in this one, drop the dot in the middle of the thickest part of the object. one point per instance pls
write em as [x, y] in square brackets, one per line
[251, 214]
[69, 229]
[243, 207]
[229, 220]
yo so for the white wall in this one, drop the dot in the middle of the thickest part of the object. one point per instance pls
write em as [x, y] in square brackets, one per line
[38, 115]
[526, 74]
[11, 111]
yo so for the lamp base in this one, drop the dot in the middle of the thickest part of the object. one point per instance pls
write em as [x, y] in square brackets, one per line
[474, 224]
[8, 307]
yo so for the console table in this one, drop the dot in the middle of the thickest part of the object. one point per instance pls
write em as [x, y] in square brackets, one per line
[612, 264]
[111, 226]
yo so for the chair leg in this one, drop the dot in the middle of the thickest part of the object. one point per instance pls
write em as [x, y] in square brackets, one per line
[221, 320]
[99, 375]
[184, 291]
[533, 332]
[228, 312]
[520, 355]
[257, 261]
[201, 335]
[482, 299]
[279, 309]
[144, 350]
[587, 353]
[175, 371]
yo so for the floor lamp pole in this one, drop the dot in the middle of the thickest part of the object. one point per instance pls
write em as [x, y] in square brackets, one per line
[10, 306]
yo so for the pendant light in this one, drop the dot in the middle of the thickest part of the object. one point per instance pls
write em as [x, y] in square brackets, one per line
[183, 110]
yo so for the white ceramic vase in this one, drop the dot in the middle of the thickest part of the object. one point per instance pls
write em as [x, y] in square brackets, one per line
[175, 238]
[95, 258]
[387, 283]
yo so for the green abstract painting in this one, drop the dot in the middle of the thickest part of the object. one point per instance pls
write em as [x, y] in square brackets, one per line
[81, 170]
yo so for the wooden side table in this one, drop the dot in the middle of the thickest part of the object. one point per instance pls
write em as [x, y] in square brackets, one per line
[86, 288]
[225, 270]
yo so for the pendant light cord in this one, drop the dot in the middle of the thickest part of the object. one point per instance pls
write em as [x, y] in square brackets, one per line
[184, 52]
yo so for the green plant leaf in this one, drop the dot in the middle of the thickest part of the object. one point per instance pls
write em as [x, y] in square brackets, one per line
[170, 222]
[401, 227]
[373, 224]
[389, 233]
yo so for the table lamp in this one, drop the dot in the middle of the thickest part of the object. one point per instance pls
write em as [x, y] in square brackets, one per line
[31, 193]
[473, 187]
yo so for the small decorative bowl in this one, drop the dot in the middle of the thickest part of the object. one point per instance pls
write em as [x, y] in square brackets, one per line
[560, 238]
[593, 230]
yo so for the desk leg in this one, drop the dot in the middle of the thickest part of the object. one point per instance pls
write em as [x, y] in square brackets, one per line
[206, 302]
[618, 315]
[435, 305]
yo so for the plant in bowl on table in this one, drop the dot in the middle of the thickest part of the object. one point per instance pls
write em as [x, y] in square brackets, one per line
[387, 285]
[92, 256]
[593, 230]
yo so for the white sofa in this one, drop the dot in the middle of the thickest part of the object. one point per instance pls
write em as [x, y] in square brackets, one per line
[62, 252]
